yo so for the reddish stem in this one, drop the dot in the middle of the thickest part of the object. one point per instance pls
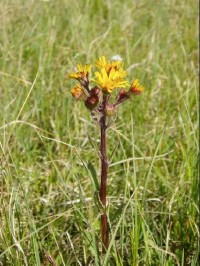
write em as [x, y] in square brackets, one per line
[104, 171]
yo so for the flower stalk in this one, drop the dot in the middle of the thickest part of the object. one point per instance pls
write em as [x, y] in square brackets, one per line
[104, 173]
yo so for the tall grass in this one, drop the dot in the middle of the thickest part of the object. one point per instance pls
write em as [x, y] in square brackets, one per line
[47, 211]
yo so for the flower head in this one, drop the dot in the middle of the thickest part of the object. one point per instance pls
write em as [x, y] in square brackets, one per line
[78, 92]
[82, 73]
[110, 75]
[110, 81]
[136, 88]
[102, 63]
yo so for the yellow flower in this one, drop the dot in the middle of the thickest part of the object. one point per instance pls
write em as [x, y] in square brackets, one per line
[110, 75]
[82, 73]
[113, 79]
[78, 92]
[102, 63]
[136, 88]
[85, 69]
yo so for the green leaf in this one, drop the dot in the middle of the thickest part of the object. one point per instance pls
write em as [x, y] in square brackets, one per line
[94, 175]
[98, 202]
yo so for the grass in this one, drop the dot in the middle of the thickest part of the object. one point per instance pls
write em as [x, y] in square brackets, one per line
[47, 212]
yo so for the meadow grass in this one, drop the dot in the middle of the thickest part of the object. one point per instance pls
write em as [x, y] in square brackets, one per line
[48, 165]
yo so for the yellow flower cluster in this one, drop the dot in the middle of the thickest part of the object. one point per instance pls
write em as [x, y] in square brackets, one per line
[110, 75]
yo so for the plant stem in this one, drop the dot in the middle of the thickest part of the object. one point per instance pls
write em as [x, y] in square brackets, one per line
[104, 170]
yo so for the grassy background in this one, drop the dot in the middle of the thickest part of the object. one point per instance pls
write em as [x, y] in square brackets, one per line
[47, 210]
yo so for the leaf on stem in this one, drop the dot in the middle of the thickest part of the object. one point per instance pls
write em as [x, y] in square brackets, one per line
[94, 175]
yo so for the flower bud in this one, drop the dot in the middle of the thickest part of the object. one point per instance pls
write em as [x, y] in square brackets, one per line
[92, 102]
[94, 91]
[78, 93]
[136, 88]
[122, 95]
[110, 110]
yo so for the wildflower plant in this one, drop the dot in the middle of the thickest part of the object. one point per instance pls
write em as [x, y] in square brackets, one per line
[110, 76]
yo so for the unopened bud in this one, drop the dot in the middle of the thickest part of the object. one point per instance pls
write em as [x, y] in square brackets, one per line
[122, 95]
[110, 110]
[92, 102]
[94, 91]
